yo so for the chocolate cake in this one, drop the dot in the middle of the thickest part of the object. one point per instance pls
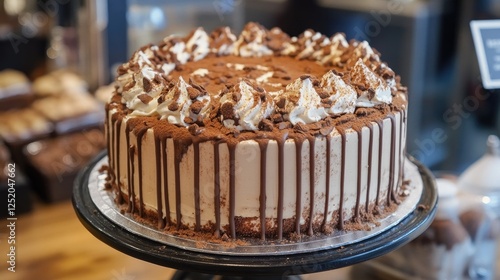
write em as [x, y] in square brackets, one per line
[259, 135]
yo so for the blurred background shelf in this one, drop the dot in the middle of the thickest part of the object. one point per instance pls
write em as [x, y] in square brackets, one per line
[428, 42]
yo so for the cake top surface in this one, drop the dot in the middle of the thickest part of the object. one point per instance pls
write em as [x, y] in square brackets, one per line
[257, 81]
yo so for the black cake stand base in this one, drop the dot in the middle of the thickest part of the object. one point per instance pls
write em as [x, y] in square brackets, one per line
[196, 265]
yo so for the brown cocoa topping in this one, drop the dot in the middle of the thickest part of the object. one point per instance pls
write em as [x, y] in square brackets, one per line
[326, 130]
[301, 127]
[194, 129]
[122, 69]
[276, 118]
[322, 93]
[158, 79]
[281, 102]
[236, 96]
[161, 98]
[284, 125]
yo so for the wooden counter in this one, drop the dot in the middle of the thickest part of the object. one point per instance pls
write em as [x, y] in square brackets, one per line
[52, 244]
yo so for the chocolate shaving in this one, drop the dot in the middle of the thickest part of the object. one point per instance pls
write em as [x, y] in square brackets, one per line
[193, 93]
[322, 93]
[327, 101]
[277, 118]
[236, 96]
[158, 79]
[129, 85]
[371, 93]
[188, 120]
[266, 125]
[227, 110]
[196, 107]
[173, 106]
[145, 98]
[194, 129]
[121, 70]
[301, 127]
[146, 84]
[281, 102]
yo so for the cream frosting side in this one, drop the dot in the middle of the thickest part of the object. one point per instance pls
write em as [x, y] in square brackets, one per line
[247, 169]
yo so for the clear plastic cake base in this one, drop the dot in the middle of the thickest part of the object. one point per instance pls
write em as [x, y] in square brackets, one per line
[104, 202]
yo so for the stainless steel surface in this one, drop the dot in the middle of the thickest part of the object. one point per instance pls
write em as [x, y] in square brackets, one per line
[104, 201]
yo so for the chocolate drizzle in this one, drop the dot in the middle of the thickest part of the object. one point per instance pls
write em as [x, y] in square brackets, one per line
[140, 134]
[379, 171]
[163, 147]
[177, 167]
[196, 148]
[298, 174]
[342, 181]
[232, 188]
[159, 203]
[116, 135]
[390, 192]
[401, 151]
[358, 179]
[370, 162]
[130, 171]
[263, 188]
[312, 192]
[327, 178]
[281, 185]
[217, 189]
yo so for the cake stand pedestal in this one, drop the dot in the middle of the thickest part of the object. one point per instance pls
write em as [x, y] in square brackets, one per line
[196, 265]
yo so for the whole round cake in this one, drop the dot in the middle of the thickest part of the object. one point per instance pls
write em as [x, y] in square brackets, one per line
[258, 135]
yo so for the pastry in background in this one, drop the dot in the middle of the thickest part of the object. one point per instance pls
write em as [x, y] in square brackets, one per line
[15, 90]
[71, 112]
[17, 127]
[54, 163]
[104, 93]
[59, 82]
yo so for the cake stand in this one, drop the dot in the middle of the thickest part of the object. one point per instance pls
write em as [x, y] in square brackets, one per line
[201, 265]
